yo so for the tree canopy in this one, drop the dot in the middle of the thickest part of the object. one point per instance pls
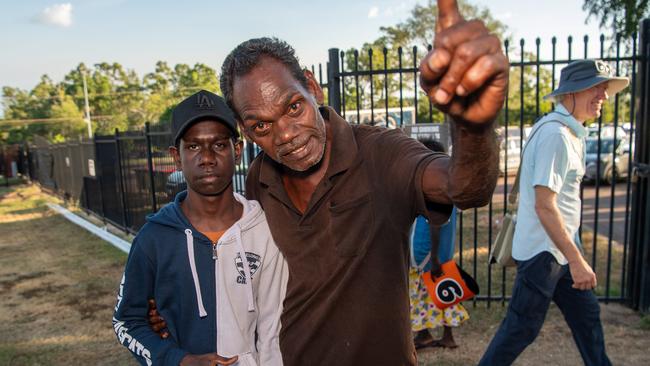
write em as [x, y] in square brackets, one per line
[118, 98]
[623, 16]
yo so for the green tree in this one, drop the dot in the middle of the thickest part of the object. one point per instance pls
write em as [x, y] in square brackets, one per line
[623, 16]
[411, 38]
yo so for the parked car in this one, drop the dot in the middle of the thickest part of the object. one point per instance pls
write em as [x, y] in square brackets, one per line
[512, 152]
[175, 183]
[611, 164]
[606, 131]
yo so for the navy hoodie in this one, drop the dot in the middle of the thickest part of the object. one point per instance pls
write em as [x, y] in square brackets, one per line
[175, 264]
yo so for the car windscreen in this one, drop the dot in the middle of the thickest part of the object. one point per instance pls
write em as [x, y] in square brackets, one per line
[606, 146]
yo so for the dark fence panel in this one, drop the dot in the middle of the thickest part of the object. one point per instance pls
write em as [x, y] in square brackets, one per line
[639, 264]
[108, 173]
[91, 196]
[135, 177]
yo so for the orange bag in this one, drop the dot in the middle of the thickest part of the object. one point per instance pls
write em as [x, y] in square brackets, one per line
[451, 287]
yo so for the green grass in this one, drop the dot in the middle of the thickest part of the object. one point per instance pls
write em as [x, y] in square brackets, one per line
[58, 284]
[644, 323]
[13, 181]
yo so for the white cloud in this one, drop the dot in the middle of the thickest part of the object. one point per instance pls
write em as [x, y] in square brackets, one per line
[373, 12]
[390, 11]
[59, 15]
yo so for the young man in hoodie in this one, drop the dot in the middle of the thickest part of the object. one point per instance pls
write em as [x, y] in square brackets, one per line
[207, 259]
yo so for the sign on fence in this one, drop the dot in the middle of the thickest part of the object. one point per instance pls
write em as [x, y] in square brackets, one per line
[91, 167]
[429, 131]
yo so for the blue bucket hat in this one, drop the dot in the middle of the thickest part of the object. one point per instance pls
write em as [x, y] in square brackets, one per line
[584, 74]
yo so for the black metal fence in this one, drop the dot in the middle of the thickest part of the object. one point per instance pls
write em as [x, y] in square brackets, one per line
[134, 175]
[639, 267]
[360, 91]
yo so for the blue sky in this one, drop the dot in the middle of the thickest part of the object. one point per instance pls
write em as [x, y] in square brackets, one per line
[53, 36]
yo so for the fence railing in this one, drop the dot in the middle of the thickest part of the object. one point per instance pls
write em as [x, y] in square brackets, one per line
[135, 175]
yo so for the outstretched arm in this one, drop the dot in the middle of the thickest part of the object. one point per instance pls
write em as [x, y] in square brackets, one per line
[466, 76]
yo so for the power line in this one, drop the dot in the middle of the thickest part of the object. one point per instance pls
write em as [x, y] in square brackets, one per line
[90, 95]
[28, 121]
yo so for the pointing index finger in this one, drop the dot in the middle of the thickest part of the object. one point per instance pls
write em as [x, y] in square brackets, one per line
[448, 14]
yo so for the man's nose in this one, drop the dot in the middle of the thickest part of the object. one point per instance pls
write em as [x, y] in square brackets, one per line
[284, 131]
[207, 156]
[602, 93]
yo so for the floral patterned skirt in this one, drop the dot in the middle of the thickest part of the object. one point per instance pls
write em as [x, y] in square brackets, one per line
[424, 313]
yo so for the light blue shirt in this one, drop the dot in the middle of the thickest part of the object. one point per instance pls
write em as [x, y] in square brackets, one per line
[553, 158]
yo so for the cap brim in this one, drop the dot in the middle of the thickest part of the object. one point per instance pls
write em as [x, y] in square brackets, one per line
[202, 117]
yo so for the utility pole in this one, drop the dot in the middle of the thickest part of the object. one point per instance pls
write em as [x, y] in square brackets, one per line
[87, 117]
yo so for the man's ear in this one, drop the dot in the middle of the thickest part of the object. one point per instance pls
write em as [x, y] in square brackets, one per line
[239, 147]
[314, 88]
[173, 151]
[242, 130]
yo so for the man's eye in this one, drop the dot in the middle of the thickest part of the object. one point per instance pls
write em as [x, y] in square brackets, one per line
[294, 107]
[261, 127]
[192, 146]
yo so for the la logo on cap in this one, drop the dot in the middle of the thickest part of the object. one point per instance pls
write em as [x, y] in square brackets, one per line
[204, 102]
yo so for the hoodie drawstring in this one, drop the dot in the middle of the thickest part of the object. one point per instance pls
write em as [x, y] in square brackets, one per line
[197, 286]
[247, 270]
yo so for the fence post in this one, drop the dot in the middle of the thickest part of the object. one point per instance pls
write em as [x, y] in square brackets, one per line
[147, 137]
[639, 257]
[100, 178]
[121, 179]
[334, 80]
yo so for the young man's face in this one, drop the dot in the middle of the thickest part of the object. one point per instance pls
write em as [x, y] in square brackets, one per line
[207, 155]
[280, 115]
[589, 103]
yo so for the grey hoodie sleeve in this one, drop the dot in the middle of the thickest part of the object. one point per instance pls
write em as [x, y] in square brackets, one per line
[272, 289]
[130, 321]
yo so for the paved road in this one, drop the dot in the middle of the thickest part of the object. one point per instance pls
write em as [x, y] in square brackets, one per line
[589, 207]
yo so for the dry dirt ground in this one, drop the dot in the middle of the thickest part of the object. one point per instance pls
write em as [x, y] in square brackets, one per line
[57, 293]
[627, 338]
[57, 287]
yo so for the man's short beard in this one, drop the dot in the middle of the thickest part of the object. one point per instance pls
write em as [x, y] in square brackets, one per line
[316, 163]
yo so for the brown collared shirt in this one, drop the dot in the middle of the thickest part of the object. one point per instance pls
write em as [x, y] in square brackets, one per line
[347, 298]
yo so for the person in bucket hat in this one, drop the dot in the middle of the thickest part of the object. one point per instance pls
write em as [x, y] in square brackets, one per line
[583, 74]
[546, 243]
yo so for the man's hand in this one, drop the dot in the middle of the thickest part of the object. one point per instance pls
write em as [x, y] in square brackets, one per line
[583, 276]
[466, 72]
[208, 359]
[157, 322]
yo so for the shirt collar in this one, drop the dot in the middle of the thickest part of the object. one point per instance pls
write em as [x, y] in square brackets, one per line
[575, 126]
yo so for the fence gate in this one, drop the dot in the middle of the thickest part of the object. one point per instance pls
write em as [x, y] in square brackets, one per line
[639, 266]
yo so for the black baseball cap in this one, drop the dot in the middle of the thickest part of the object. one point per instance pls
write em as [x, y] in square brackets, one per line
[199, 107]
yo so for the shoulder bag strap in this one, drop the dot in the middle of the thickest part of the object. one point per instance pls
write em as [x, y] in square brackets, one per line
[513, 197]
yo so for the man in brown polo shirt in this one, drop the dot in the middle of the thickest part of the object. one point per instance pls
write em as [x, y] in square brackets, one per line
[340, 198]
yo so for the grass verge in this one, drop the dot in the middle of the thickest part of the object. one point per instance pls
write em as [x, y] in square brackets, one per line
[58, 285]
